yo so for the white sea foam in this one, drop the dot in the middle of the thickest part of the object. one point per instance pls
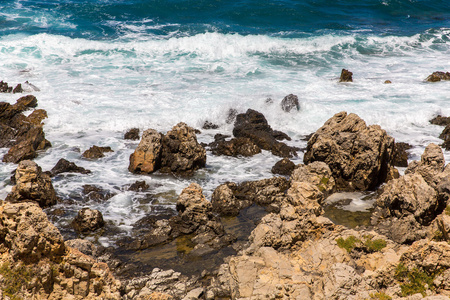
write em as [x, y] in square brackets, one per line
[94, 91]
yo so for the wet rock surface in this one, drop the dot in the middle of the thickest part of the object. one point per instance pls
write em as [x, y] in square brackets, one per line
[283, 167]
[253, 125]
[359, 156]
[234, 147]
[65, 166]
[132, 134]
[346, 76]
[289, 103]
[96, 152]
[438, 76]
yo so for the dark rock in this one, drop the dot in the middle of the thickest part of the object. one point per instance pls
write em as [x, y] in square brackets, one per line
[400, 156]
[139, 186]
[445, 135]
[253, 125]
[290, 102]
[234, 147]
[65, 166]
[4, 88]
[26, 146]
[440, 120]
[283, 167]
[209, 125]
[95, 193]
[18, 89]
[84, 246]
[96, 152]
[231, 116]
[359, 156]
[32, 184]
[180, 151]
[88, 220]
[438, 76]
[280, 136]
[346, 76]
[132, 134]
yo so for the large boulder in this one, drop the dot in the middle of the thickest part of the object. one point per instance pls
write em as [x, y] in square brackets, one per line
[359, 156]
[253, 125]
[32, 184]
[147, 156]
[180, 152]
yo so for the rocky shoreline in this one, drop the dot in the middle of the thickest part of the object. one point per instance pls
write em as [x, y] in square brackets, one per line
[260, 239]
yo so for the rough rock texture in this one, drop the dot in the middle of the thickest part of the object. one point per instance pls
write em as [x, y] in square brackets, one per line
[65, 166]
[209, 125]
[440, 120]
[36, 264]
[253, 125]
[96, 152]
[95, 193]
[33, 185]
[283, 167]
[359, 156]
[290, 102]
[346, 76]
[147, 156]
[438, 76]
[400, 156]
[23, 134]
[229, 198]
[180, 152]
[132, 134]
[234, 147]
[88, 220]
[445, 135]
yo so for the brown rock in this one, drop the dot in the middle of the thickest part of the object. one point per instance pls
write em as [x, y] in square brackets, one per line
[37, 116]
[32, 184]
[346, 76]
[64, 166]
[358, 155]
[132, 134]
[181, 153]
[440, 120]
[400, 156]
[18, 89]
[147, 156]
[431, 164]
[438, 76]
[88, 220]
[96, 152]
[234, 147]
[283, 167]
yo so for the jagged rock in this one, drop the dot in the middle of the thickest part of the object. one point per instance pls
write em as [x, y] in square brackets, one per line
[4, 88]
[26, 146]
[27, 233]
[234, 147]
[132, 134]
[445, 135]
[193, 207]
[180, 151]
[400, 156]
[147, 156]
[96, 152]
[318, 174]
[290, 102]
[18, 89]
[253, 125]
[346, 76]
[37, 116]
[440, 120]
[438, 76]
[359, 156]
[283, 167]
[84, 246]
[88, 220]
[209, 125]
[139, 186]
[431, 165]
[225, 202]
[64, 166]
[32, 184]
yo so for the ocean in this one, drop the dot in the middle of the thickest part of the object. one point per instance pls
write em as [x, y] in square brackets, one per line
[105, 66]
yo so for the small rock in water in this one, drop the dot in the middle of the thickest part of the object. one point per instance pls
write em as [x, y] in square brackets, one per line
[440, 120]
[346, 76]
[96, 152]
[290, 102]
[387, 82]
[132, 134]
[64, 166]
[438, 76]
[209, 125]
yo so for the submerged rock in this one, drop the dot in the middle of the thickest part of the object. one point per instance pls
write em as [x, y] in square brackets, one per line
[253, 125]
[32, 185]
[359, 156]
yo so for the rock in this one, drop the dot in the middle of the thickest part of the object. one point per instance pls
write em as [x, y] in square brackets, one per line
[290, 102]
[139, 186]
[234, 147]
[225, 202]
[37, 116]
[231, 115]
[193, 207]
[400, 156]
[88, 220]
[358, 155]
[180, 152]
[147, 156]
[132, 134]
[346, 76]
[18, 89]
[253, 125]
[32, 184]
[27, 233]
[283, 167]
[387, 81]
[91, 192]
[445, 135]
[26, 146]
[318, 174]
[65, 166]
[96, 152]
[209, 125]
[84, 246]
[440, 120]
[438, 76]
[4, 88]
[431, 165]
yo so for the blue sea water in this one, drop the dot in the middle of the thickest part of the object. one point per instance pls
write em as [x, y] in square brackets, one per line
[105, 66]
